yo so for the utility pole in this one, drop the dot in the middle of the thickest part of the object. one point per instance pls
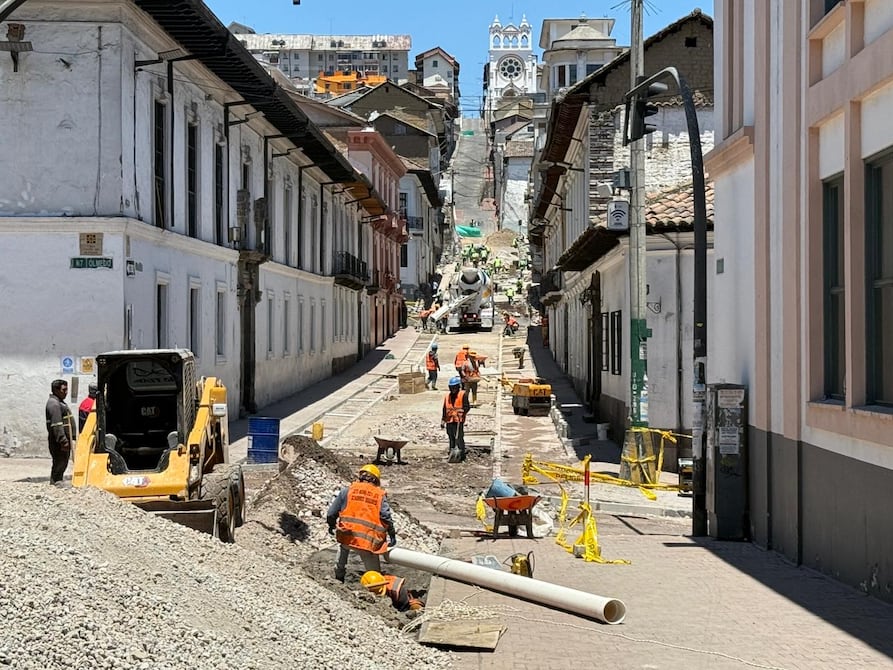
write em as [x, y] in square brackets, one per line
[638, 331]
[637, 111]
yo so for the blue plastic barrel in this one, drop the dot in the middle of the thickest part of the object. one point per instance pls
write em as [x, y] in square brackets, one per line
[263, 439]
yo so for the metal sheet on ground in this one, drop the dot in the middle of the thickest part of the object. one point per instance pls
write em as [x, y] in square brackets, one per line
[462, 634]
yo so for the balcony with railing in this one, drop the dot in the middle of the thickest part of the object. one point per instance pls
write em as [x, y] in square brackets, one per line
[349, 270]
[416, 224]
[550, 287]
[375, 279]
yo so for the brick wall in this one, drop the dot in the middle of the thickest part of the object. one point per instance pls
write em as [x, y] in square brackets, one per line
[689, 49]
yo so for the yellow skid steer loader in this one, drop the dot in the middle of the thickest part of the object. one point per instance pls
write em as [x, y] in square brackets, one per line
[158, 437]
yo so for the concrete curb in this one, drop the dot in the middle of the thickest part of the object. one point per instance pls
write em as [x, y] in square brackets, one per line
[623, 508]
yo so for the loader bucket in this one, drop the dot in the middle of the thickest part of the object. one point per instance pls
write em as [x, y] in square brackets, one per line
[200, 515]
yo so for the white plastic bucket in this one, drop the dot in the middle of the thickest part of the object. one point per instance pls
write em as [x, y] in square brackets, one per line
[602, 430]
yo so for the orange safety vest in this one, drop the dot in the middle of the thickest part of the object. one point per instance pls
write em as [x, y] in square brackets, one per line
[455, 412]
[469, 372]
[461, 357]
[430, 363]
[359, 524]
[395, 587]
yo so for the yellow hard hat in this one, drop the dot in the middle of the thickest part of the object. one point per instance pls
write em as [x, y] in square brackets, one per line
[472, 353]
[465, 346]
[372, 470]
[372, 579]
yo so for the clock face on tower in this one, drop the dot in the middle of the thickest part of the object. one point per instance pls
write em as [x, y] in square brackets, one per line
[511, 68]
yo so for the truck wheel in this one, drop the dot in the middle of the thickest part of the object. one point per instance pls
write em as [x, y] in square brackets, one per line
[216, 487]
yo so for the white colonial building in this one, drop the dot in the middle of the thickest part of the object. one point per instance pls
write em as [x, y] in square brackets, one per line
[574, 49]
[420, 204]
[438, 71]
[160, 190]
[804, 307]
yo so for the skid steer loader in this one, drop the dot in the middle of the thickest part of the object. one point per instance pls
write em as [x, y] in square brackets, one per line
[159, 438]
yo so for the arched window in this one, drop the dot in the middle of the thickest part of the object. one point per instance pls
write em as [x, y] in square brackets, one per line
[496, 42]
[524, 41]
[515, 42]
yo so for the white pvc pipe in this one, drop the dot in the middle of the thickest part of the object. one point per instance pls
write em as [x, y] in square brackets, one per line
[608, 610]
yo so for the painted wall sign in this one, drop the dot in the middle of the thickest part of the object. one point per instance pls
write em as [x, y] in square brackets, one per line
[91, 263]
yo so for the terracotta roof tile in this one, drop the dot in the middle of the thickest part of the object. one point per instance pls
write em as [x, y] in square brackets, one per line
[674, 207]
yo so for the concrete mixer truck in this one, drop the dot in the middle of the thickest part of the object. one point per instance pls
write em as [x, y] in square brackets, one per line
[470, 304]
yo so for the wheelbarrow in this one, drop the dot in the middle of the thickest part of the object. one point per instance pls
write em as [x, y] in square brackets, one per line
[513, 511]
[389, 449]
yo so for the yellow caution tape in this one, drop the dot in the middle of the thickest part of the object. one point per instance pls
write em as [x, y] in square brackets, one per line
[480, 511]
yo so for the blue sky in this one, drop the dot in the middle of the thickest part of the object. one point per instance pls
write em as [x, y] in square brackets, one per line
[458, 26]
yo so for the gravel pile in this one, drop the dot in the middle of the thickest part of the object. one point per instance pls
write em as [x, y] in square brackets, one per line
[293, 506]
[92, 582]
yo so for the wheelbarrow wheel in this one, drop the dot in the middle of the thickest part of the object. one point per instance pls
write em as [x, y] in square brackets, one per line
[513, 530]
[516, 410]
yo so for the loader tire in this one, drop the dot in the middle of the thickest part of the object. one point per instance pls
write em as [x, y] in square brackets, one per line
[237, 490]
[216, 486]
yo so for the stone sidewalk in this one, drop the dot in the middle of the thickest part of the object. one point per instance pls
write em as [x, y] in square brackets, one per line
[691, 603]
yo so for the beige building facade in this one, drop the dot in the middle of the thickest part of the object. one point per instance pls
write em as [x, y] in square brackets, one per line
[803, 281]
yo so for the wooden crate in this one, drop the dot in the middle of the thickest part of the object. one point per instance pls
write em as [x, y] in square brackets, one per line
[411, 382]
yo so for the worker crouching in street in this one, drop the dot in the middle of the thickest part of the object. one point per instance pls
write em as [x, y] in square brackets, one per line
[394, 587]
[432, 365]
[470, 375]
[360, 519]
[455, 410]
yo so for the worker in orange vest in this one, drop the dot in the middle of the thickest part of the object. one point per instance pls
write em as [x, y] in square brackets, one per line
[455, 410]
[87, 405]
[394, 587]
[460, 358]
[432, 365]
[470, 375]
[360, 519]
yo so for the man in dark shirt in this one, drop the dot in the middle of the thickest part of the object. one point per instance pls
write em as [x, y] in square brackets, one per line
[60, 428]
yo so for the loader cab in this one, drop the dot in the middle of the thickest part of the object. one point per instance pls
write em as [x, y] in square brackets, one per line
[146, 401]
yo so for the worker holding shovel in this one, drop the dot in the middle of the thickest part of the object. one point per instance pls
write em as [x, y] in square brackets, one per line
[455, 410]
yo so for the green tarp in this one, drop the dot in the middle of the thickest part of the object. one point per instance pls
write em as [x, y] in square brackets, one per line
[468, 231]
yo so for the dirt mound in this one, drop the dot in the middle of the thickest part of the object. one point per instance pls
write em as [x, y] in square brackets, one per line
[501, 238]
[301, 448]
[286, 521]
